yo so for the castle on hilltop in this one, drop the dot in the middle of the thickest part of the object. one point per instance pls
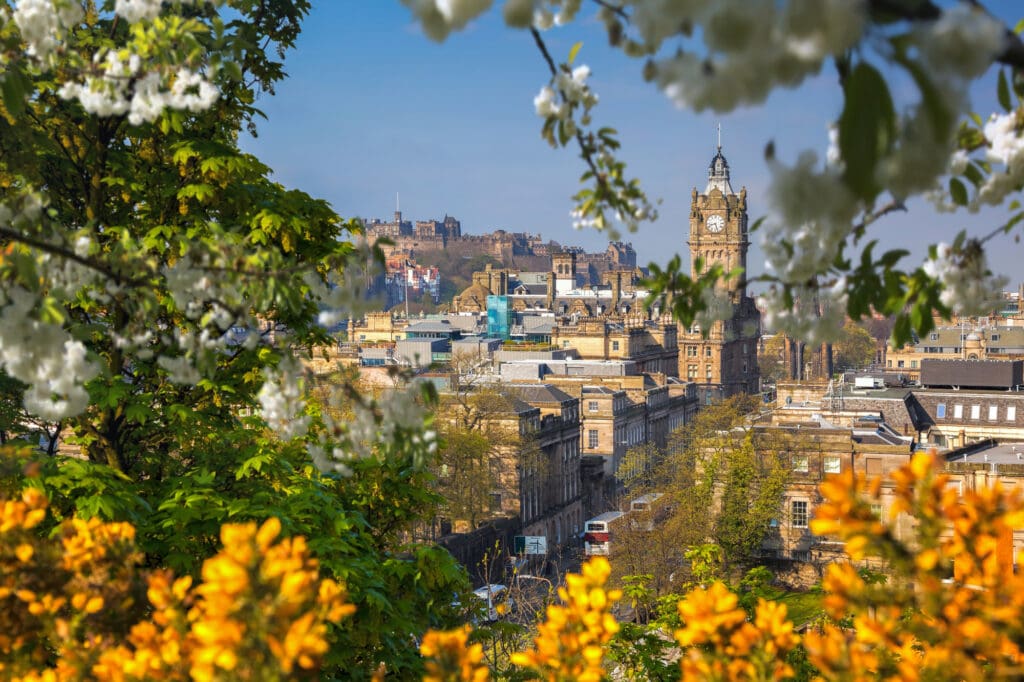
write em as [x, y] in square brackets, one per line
[407, 239]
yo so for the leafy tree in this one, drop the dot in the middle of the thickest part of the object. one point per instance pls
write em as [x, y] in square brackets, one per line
[720, 492]
[157, 286]
[855, 348]
[772, 362]
[482, 451]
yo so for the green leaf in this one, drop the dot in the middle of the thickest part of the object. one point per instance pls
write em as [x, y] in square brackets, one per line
[1003, 91]
[934, 101]
[973, 173]
[574, 51]
[866, 128]
[14, 88]
[958, 191]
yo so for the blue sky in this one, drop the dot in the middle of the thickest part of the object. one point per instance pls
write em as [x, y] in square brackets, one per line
[373, 108]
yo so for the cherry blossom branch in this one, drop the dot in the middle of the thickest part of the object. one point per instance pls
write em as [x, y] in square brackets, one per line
[1012, 54]
[585, 150]
[65, 252]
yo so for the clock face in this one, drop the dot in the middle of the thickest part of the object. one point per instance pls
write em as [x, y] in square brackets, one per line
[716, 223]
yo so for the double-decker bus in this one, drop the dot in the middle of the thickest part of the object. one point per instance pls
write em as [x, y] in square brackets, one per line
[597, 533]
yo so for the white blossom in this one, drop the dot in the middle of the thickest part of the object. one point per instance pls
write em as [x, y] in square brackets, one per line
[441, 17]
[281, 402]
[962, 42]
[718, 307]
[751, 46]
[812, 217]
[138, 10]
[42, 355]
[43, 23]
[122, 88]
[921, 155]
[816, 315]
[968, 286]
[1005, 147]
[546, 104]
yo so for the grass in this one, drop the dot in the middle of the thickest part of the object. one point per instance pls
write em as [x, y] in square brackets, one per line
[802, 607]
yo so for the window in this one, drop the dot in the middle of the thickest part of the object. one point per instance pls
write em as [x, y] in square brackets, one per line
[592, 406]
[707, 351]
[592, 438]
[831, 464]
[691, 351]
[876, 511]
[800, 463]
[691, 371]
[975, 411]
[615, 345]
[993, 412]
[995, 337]
[899, 363]
[940, 411]
[799, 514]
[913, 364]
[1011, 414]
[958, 412]
[933, 337]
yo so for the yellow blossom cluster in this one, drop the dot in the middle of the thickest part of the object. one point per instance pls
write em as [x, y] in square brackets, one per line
[80, 608]
[570, 642]
[450, 657]
[950, 606]
[944, 603]
[721, 643]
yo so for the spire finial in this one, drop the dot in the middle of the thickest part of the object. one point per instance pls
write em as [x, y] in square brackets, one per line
[719, 137]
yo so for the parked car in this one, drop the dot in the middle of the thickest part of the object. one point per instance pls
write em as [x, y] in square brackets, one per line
[493, 596]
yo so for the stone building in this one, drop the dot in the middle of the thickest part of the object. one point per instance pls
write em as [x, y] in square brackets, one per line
[871, 450]
[535, 469]
[724, 361]
[616, 414]
[967, 342]
[651, 344]
[819, 448]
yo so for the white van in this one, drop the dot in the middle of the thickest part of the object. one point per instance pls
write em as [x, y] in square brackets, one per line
[493, 595]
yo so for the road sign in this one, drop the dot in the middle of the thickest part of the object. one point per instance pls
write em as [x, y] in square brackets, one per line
[531, 544]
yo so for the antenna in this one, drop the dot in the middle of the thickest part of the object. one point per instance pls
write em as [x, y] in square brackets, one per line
[719, 137]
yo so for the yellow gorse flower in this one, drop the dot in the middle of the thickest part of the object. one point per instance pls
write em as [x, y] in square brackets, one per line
[570, 643]
[721, 643]
[261, 611]
[450, 657]
[950, 608]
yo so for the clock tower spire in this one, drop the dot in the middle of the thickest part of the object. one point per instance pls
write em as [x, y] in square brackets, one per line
[718, 225]
[722, 360]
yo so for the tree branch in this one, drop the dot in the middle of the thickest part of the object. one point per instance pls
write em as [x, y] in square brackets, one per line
[585, 152]
[65, 252]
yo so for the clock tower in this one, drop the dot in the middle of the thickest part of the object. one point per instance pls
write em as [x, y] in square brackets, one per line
[721, 360]
[718, 226]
